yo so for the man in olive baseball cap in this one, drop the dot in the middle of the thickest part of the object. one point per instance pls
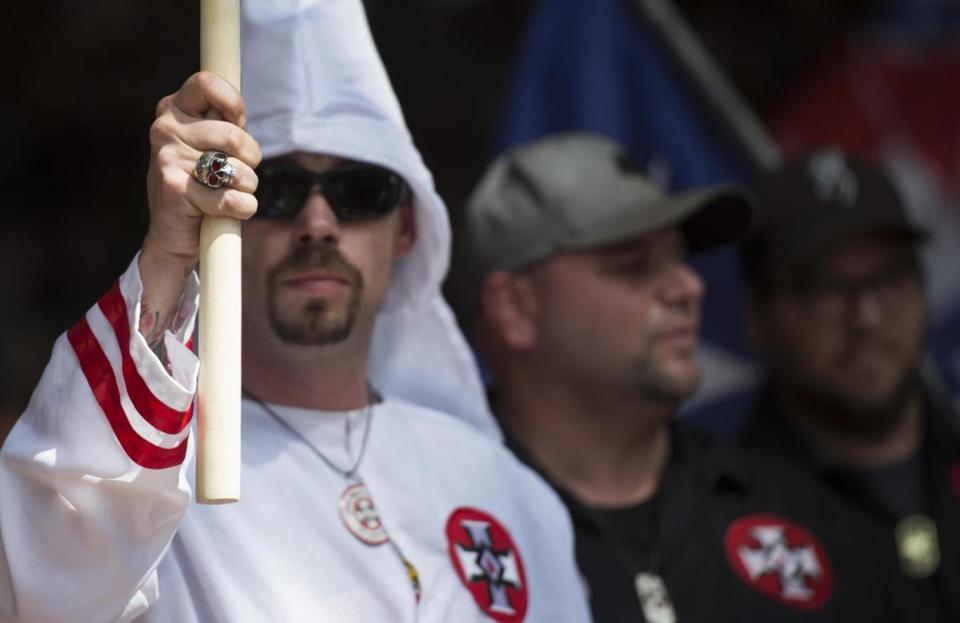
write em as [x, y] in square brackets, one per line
[575, 286]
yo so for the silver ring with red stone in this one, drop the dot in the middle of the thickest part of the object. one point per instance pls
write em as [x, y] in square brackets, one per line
[213, 170]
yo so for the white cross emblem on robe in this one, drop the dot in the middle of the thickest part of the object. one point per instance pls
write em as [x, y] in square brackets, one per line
[481, 562]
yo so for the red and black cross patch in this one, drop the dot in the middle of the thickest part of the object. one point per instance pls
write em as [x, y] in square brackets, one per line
[780, 559]
[488, 563]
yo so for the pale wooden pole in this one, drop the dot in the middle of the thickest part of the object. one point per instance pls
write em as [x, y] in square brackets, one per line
[218, 439]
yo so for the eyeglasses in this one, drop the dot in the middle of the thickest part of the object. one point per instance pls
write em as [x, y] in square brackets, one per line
[829, 297]
[356, 191]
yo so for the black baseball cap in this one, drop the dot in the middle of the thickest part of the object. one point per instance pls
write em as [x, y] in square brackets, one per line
[576, 191]
[814, 201]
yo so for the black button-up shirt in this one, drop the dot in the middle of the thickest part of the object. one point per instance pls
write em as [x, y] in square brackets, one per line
[928, 483]
[736, 538]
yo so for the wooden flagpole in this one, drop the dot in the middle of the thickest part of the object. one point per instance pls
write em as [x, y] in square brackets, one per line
[218, 439]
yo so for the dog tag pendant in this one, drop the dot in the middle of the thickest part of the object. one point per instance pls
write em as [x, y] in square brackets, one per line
[654, 598]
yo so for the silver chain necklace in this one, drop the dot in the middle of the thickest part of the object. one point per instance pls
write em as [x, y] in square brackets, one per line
[350, 474]
[356, 506]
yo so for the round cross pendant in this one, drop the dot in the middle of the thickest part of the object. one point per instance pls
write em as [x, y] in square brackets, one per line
[360, 515]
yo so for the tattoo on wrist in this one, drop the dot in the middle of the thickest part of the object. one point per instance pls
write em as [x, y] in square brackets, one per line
[160, 350]
[152, 330]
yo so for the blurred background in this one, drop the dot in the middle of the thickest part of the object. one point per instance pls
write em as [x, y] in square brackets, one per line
[878, 77]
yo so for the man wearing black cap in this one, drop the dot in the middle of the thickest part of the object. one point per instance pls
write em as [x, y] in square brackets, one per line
[837, 306]
[574, 282]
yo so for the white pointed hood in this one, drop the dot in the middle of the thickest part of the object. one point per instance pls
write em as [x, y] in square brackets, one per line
[313, 81]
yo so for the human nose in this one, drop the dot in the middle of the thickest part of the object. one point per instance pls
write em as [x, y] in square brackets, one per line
[683, 286]
[316, 222]
[867, 307]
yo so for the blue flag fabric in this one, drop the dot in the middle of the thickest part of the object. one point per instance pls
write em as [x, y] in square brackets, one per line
[595, 66]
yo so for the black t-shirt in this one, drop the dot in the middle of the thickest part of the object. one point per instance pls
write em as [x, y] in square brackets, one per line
[633, 527]
[895, 491]
[613, 545]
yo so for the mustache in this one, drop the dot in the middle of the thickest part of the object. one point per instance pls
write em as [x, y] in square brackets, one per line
[320, 256]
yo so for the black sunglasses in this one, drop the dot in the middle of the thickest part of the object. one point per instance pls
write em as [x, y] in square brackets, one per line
[356, 191]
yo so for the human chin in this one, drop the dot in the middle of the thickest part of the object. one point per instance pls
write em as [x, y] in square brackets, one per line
[314, 321]
[672, 380]
[870, 374]
[867, 391]
[859, 411]
[685, 376]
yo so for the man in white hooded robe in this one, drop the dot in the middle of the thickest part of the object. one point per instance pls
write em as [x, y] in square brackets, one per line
[375, 484]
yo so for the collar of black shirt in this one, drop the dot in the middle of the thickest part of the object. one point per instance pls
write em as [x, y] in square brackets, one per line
[700, 467]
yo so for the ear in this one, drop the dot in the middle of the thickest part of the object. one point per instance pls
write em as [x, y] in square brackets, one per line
[406, 231]
[509, 304]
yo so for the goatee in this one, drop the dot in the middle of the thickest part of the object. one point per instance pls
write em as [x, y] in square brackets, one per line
[320, 321]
